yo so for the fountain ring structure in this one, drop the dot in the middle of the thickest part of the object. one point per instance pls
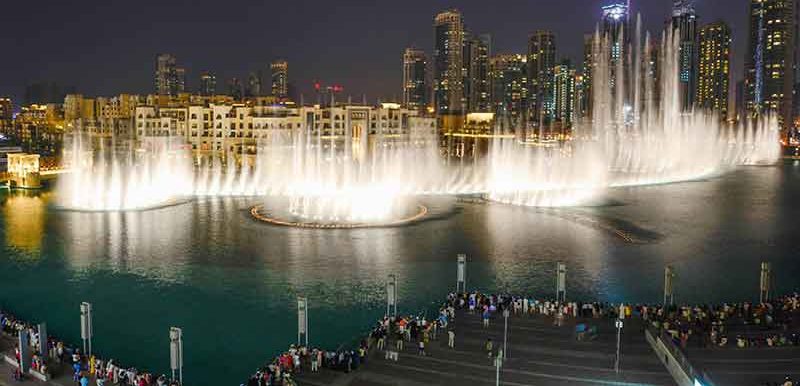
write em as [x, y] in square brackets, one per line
[261, 213]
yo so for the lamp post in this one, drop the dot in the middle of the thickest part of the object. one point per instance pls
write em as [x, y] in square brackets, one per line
[391, 296]
[618, 324]
[766, 279]
[86, 327]
[505, 331]
[176, 352]
[498, 363]
[461, 274]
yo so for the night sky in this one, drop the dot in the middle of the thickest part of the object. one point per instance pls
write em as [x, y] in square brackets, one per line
[108, 47]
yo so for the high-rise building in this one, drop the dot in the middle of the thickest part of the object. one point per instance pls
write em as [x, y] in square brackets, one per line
[414, 79]
[208, 84]
[564, 94]
[770, 60]
[616, 28]
[6, 115]
[180, 80]
[541, 62]
[235, 88]
[684, 25]
[477, 95]
[448, 79]
[509, 84]
[254, 85]
[713, 80]
[583, 84]
[166, 75]
[280, 78]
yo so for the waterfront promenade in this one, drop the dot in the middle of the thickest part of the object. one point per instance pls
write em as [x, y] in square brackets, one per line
[539, 353]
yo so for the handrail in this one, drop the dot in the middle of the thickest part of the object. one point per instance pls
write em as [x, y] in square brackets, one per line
[679, 355]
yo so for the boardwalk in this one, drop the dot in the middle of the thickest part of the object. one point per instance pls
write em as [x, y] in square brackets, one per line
[540, 354]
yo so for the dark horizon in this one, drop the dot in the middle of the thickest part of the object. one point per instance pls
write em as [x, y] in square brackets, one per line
[107, 48]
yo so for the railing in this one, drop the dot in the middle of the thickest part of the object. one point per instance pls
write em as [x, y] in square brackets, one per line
[679, 355]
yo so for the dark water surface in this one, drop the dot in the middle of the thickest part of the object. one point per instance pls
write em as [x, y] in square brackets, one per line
[230, 282]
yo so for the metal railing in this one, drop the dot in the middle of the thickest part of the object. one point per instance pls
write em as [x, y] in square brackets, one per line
[680, 356]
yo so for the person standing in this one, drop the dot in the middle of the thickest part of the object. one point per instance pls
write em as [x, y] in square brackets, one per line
[489, 346]
[486, 318]
[421, 348]
[451, 338]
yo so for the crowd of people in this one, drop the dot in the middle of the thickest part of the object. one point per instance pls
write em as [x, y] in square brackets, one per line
[85, 369]
[768, 324]
[390, 335]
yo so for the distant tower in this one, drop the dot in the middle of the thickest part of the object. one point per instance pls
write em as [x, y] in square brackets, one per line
[254, 85]
[476, 73]
[564, 94]
[541, 63]
[166, 76]
[713, 83]
[770, 60]
[280, 78]
[208, 84]
[509, 81]
[448, 81]
[414, 83]
[684, 24]
[235, 88]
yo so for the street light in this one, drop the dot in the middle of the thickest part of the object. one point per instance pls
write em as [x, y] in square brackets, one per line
[505, 330]
[618, 324]
[176, 352]
[86, 327]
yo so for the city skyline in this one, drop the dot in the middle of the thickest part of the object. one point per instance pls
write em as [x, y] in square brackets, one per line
[123, 63]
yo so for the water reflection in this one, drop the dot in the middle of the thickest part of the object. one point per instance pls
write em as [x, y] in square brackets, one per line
[151, 244]
[24, 213]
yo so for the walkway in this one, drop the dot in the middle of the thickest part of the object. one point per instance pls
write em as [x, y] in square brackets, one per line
[540, 354]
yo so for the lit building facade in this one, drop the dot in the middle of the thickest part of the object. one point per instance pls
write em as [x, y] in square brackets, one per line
[415, 86]
[448, 78]
[615, 26]
[770, 60]
[684, 24]
[236, 128]
[6, 115]
[477, 93]
[713, 82]
[564, 92]
[541, 62]
[509, 85]
[280, 78]
[208, 84]
[169, 78]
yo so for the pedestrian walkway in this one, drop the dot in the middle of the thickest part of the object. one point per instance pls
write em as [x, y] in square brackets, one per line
[538, 353]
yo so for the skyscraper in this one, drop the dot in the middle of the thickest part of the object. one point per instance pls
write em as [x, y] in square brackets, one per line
[167, 81]
[541, 62]
[208, 84]
[583, 85]
[770, 60]
[448, 80]
[684, 24]
[235, 88]
[616, 28]
[180, 80]
[713, 81]
[254, 84]
[280, 78]
[564, 94]
[509, 85]
[414, 79]
[477, 95]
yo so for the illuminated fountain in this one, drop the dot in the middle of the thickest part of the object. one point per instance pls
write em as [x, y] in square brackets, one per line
[637, 135]
[104, 178]
[361, 176]
[348, 181]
